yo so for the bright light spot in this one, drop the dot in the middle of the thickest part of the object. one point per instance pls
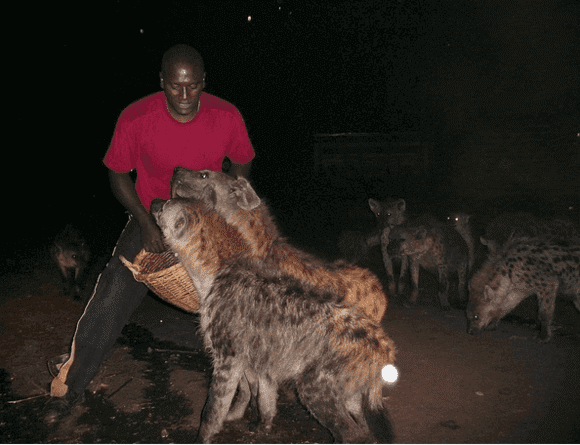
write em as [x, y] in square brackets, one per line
[141, 30]
[249, 18]
[390, 374]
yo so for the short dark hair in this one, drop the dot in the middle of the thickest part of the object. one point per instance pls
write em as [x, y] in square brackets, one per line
[180, 53]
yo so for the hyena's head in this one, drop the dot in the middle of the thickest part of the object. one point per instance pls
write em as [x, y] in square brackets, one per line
[491, 297]
[177, 219]
[416, 241]
[389, 213]
[220, 191]
[460, 221]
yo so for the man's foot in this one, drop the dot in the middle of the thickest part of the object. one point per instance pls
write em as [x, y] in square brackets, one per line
[59, 407]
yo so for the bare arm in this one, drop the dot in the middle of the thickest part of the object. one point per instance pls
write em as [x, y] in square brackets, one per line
[123, 188]
[241, 169]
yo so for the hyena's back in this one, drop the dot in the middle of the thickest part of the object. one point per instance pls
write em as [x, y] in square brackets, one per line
[237, 202]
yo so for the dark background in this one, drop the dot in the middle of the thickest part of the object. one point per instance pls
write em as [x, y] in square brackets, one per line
[450, 70]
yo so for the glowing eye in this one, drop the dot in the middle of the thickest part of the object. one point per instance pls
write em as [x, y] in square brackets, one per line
[203, 175]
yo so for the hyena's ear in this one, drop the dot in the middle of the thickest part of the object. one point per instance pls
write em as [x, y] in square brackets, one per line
[375, 206]
[488, 293]
[244, 195]
[421, 232]
[401, 205]
[491, 244]
[180, 223]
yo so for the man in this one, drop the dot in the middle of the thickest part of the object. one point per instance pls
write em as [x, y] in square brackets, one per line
[180, 126]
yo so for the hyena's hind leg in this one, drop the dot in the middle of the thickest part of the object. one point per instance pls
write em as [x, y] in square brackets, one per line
[577, 299]
[546, 307]
[267, 400]
[225, 380]
[323, 399]
[247, 391]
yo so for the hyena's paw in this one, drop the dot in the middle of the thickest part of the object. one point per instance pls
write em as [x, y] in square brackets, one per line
[260, 427]
[414, 296]
[401, 288]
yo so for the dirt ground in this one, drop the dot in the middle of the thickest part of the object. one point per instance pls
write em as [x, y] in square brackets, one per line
[499, 387]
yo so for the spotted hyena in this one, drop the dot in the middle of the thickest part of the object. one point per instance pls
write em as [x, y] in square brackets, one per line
[437, 249]
[522, 224]
[392, 216]
[263, 325]
[522, 267]
[389, 214]
[237, 202]
[460, 221]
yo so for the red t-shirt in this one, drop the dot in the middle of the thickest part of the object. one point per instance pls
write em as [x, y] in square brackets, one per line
[148, 139]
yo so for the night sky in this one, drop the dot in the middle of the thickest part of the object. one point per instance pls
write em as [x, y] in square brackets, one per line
[293, 68]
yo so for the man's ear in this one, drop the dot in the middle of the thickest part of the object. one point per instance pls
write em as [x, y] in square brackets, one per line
[161, 81]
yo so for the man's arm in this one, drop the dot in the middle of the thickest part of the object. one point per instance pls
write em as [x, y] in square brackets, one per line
[241, 169]
[124, 190]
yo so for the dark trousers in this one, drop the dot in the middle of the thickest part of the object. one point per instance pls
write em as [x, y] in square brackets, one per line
[115, 298]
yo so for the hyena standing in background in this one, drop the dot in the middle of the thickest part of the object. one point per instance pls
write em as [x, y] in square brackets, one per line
[522, 224]
[354, 245]
[72, 255]
[437, 249]
[461, 223]
[390, 214]
[237, 202]
[263, 325]
[522, 267]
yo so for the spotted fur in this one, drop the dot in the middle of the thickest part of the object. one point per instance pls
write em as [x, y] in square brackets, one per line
[435, 250]
[522, 267]
[264, 326]
[522, 224]
[236, 201]
[390, 214]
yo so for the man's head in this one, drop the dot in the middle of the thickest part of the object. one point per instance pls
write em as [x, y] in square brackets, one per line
[182, 80]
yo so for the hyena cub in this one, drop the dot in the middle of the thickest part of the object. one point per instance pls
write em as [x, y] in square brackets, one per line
[262, 324]
[522, 267]
[236, 201]
[71, 255]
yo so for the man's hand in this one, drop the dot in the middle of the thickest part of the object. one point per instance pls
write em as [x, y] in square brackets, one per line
[153, 238]
[123, 188]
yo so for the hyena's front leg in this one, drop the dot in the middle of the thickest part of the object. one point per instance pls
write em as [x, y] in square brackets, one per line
[403, 274]
[546, 306]
[444, 287]
[387, 259]
[462, 275]
[225, 380]
[415, 280]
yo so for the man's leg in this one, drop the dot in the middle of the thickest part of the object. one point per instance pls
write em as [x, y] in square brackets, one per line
[115, 298]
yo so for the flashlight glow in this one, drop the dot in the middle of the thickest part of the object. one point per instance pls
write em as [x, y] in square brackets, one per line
[390, 374]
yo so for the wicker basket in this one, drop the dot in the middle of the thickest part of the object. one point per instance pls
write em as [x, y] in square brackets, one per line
[164, 275]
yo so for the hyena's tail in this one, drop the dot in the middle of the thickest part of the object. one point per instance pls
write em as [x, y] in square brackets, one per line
[378, 420]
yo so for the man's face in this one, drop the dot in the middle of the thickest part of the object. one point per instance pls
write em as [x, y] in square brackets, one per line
[182, 87]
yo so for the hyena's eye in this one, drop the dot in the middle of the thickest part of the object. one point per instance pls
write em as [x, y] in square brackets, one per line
[203, 175]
